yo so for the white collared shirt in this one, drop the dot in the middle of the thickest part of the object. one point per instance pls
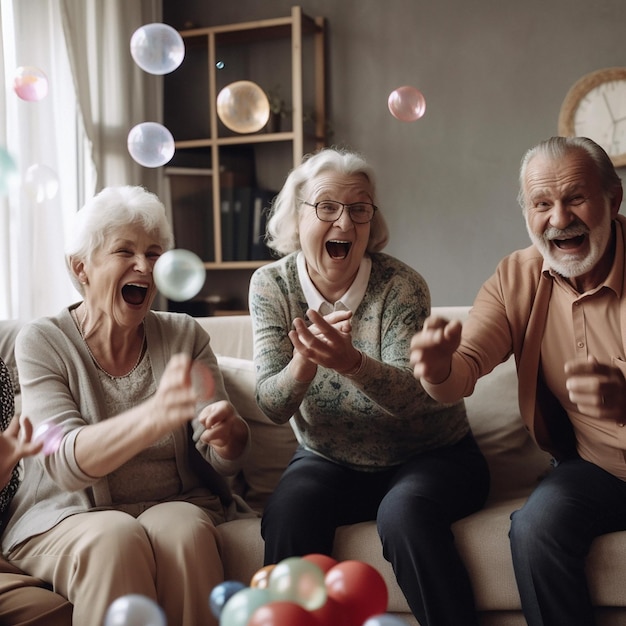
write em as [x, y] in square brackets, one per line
[348, 302]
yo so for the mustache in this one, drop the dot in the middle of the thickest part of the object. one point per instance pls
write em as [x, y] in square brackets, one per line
[573, 230]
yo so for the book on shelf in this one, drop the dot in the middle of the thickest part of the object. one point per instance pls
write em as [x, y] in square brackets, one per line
[262, 200]
[242, 210]
[189, 194]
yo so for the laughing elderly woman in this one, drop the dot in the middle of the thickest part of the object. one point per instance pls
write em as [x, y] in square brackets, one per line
[120, 507]
[333, 320]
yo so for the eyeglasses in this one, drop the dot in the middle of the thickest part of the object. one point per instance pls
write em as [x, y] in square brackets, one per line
[332, 210]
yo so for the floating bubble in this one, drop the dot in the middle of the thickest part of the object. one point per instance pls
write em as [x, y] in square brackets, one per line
[243, 107]
[151, 144]
[222, 593]
[134, 610]
[41, 183]
[240, 606]
[384, 619]
[261, 578]
[406, 104]
[300, 581]
[51, 434]
[30, 83]
[157, 48]
[359, 587]
[179, 274]
[9, 176]
[282, 613]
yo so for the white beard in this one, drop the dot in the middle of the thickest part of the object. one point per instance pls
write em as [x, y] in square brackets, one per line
[572, 265]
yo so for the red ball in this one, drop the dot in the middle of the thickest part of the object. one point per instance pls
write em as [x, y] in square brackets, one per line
[282, 613]
[332, 613]
[321, 560]
[359, 587]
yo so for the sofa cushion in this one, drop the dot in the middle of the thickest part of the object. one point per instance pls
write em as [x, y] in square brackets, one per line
[515, 461]
[272, 444]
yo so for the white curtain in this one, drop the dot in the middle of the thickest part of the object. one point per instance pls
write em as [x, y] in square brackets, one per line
[96, 94]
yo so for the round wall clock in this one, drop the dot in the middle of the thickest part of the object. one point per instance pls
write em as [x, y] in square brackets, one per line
[595, 107]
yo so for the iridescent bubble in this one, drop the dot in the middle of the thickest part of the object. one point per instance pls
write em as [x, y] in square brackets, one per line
[30, 83]
[9, 176]
[406, 104]
[239, 608]
[157, 48]
[243, 107]
[297, 580]
[222, 593]
[134, 610]
[41, 183]
[151, 144]
[179, 274]
[51, 434]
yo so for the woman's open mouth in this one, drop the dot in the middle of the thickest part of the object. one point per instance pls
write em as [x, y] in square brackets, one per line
[338, 249]
[134, 293]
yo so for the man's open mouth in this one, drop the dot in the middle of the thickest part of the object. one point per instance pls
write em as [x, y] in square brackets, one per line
[569, 243]
[338, 249]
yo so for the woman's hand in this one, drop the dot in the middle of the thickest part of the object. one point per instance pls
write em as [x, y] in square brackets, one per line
[175, 399]
[326, 342]
[225, 431]
[15, 444]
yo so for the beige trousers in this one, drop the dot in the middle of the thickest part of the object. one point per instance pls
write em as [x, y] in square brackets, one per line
[168, 553]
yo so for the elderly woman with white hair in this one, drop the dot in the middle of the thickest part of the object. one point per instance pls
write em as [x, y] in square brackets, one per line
[333, 321]
[129, 501]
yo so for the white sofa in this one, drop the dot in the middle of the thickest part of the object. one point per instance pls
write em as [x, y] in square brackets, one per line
[516, 465]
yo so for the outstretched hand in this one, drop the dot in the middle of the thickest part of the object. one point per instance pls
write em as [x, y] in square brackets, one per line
[597, 389]
[15, 444]
[327, 341]
[432, 349]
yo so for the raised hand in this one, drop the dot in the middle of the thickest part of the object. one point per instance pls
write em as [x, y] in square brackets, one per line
[432, 349]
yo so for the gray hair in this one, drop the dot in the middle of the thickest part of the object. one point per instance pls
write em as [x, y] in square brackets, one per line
[282, 227]
[558, 147]
[109, 210]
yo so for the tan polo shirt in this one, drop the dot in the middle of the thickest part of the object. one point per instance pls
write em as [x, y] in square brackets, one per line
[579, 325]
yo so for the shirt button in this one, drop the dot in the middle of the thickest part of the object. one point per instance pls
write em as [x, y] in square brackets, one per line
[581, 344]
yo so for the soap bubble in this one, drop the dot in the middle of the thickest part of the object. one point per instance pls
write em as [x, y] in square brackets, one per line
[240, 606]
[406, 104]
[261, 577]
[51, 434]
[222, 593]
[8, 172]
[134, 610]
[243, 107]
[384, 619]
[300, 581]
[30, 83]
[41, 183]
[179, 274]
[282, 613]
[151, 144]
[157, 48]
[359, 587]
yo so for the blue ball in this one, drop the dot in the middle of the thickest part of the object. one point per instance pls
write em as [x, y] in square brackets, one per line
[222, 593]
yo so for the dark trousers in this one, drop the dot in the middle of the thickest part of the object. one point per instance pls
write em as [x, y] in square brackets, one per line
[551, 536]
[414, 506]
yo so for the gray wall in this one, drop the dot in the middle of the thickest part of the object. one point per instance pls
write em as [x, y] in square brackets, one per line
[493, 73]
